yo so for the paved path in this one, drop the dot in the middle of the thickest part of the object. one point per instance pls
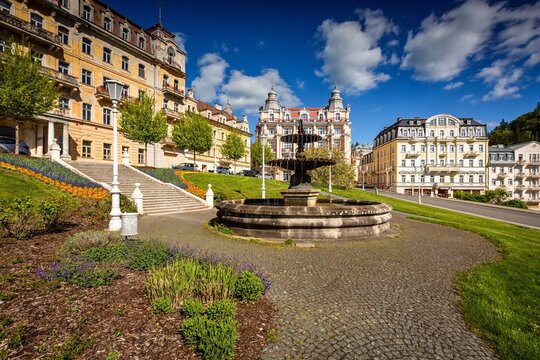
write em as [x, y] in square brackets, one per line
[391, 298]
[529, 218]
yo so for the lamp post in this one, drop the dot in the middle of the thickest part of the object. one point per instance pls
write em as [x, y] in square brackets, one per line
[419, 170]
[330, 167]
[263, 188]
[388, 169]
[215, 152]
[114, 87]
[363, 171]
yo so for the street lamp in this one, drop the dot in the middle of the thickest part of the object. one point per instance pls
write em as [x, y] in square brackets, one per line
[419, 170]
[388, 169]
[215, 152]
[263, 188]
[114, 87]
[363, 171]
[330, 167]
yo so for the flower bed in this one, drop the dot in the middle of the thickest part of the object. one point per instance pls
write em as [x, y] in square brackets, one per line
[165, 175]
[54, 174]
[190, 187]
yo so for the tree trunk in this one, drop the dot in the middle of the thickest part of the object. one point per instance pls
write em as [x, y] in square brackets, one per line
[17, 137]
[194, 160]
[234, 167]
[146, 154]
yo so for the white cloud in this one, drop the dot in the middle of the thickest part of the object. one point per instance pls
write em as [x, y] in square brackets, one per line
[300, 84]
[248, 93]
[180, 39]
[441, 49]
[212, 75]
[453, 85]
[351, 53]
[394, 59]
[493, 72]
[392, 43]
[468, 97]
[505, 86]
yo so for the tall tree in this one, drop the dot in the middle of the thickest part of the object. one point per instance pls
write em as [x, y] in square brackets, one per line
[140, 123]
[525, 127]
[233, 148]
[193, 133]
[342, 171]
[256, 154]
[25, 91]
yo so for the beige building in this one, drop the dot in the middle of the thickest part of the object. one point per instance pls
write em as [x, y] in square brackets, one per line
[357, 154]
[331, 122]
[516, 169]
[81, 44]
[435, 156]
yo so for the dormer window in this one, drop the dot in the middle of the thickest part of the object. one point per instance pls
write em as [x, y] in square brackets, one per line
[107, 24]
[142, 43]
[125, 34]
[87, 13]
[321, 116]
[170, 55]
[64, 4]
[338, 116]
[36, 20]
[271, 117]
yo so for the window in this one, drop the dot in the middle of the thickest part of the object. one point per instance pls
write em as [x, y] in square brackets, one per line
[125, 34]
[125, 149]
[471, 179]
[432, 148]
[87, 112]
[63, 67]
[170, 55]
[106, 116]
[176, 84]
[271, 131]
[460, 148]
[451, 162]
[338, 116]
[441, 133]
[442, 121]
[463, 133]
[403, 178]
[451, 148]
[86, 77]
[141, 70]
[461, 179]
[422, 162]
[287, 131]
[471, 163]
[36, 20]
[64, 35]
[165, 104]
[107, 24]
[142, 43]
[413, 178]
[481, 147]
[87, 46]
[87, 13]
[442, 148]
[432, 133]
[481, 179]
[471, 147]
[493, 182]
[64, 4]
[125, 63]
[478, 132]
[509, 181]
[107, 55]
[141, 94]
[175, 106]
[451, 133]
[64, 103]
[106, 151]
[403, 162]
[431, 162]
[87, 148]
[140, 156]
[441, 162]
[165, 80]
[461, 162]
[37, 57]
[403, 148]
[5, 6]
[125, 92]
[481, 163]
[413, 148]
[337, 131]
[423, 148]
[287, 117]
[321, 117]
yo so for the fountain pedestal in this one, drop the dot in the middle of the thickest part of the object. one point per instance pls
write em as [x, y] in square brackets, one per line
[300, 197]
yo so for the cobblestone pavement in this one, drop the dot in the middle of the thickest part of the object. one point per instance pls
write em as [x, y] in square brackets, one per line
[389, 298]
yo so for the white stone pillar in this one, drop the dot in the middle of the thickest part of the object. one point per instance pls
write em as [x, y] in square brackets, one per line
[50, 135]
[137, 197]
[54, 150]
[39, 145]
[65, 143]
[210, 196]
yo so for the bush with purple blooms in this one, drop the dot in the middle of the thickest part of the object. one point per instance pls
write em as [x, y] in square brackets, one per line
[80, 272]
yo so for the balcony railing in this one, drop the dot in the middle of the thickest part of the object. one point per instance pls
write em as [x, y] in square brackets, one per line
[534, 162]
[520, 175]
[534, 176]
[172, 90]
[171, 113]
[502, 175]
[61, 78]
[437, 169]
[534, 187]
[520, 187]
[30, 29]
[103, 93]
[471, 154]
[412, 154]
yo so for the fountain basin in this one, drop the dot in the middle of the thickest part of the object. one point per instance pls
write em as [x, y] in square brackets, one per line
[328, 220]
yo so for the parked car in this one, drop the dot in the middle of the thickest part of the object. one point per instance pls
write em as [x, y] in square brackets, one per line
[186, 167]
[247, 173]
[223, 170]
[7, 145]
[266, 175]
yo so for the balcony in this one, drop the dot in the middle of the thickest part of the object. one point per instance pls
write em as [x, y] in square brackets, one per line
[412, 154]
[173, 64]
[63, 80]
[534, 187]
[471, 154]
[442, 154]
[442, 169]
[520, 188]
[521, 162]
[534, 176]
[521, 175]
[534, 162]
[171, 90]
[171, 113]
[103, 93]
[37, 33]
[502, 175]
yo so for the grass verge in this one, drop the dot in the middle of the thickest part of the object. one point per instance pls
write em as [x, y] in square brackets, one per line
[16, 185]
[501, 299]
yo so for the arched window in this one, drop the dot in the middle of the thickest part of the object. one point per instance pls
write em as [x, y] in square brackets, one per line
[413, 133]
[170, 55]
[304, 116]
[471, 132]
[321, 116]
[421, 132]
[338, 116]
[441, 133]
[432, 133]
[271, 117]
[451, 132]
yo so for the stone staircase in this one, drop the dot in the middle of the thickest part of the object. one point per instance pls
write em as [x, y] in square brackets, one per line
[159, 199]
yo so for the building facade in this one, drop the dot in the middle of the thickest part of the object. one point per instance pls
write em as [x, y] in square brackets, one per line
[516, 169]
[81, 44]
[331, 122]
[434, 156]
[357, 154]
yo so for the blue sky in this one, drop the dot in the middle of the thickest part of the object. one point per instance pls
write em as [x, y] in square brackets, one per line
[474, 58]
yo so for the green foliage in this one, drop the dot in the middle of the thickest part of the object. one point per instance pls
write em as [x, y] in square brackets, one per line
[233, 148]
[249, 287]
[25, 91]
[165, 175]
[84, 240]
[162, 306]
[16, 185]
[256, 154]
[213, 339]
[24, 218]
[126, 204]
[192, 307]
[342, 171]
[193, 133]
[498, 196]
[273, 336]
[222, 228]
[221, 309]
[71, 348]
[524, 128]
[139, 122]
[515, 203]
[113, 355]
[499, 299]
[77, 271]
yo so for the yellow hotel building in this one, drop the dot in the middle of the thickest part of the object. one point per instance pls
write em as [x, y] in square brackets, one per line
[81, 44]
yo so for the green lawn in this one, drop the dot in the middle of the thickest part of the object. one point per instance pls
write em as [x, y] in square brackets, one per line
[501, 300]
[236, 187]
[14, 184]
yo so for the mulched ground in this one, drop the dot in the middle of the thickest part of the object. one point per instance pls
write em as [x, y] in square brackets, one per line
[116, 318]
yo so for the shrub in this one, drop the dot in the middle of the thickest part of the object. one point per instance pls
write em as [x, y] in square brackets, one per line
[516, 203]
[221, 309]
[162, 306]
[78, 272]
[213, 339]
[249, 287]
[85, 240]
[192, 307]
[126, 204]
[24, 218]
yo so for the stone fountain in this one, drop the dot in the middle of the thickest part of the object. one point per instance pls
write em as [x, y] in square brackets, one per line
[300, 215]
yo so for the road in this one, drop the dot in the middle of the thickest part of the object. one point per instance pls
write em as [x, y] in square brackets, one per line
[528, 218]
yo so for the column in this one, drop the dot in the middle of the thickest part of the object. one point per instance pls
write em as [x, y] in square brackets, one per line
[65, 142]
[50, 135]
[39, 145]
